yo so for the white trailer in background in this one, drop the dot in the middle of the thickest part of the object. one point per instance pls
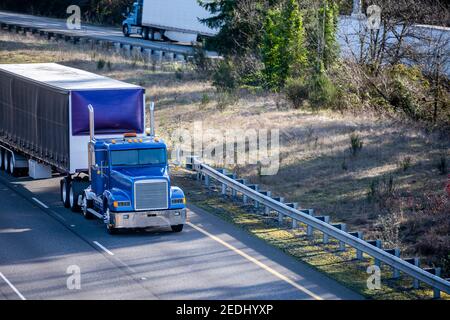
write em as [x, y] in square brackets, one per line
[176, 20]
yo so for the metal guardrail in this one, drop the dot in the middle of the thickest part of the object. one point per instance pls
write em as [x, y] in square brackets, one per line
[378, 254]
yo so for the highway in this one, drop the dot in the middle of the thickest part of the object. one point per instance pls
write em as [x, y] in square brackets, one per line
[111, 34]
[210, 259]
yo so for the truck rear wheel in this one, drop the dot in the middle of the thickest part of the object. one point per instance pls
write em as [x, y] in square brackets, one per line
[145, 33]
[64, 191]
[73, 199]
[2, 152]
[177, 228]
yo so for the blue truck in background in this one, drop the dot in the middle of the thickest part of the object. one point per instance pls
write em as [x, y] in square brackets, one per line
[91, 129]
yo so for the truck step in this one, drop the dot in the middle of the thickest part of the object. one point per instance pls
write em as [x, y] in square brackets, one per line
[95, 213]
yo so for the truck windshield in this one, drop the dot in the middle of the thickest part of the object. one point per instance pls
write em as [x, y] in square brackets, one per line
[139, 157]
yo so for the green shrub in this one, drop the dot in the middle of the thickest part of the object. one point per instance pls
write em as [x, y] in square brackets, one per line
[179, 74]
[100, 64]
[381, 189]
[296, 91]
[321, 89]
[356, 143]
[205, 100]
[225, 77]
[225, 99]
[405, 163]
[442, 165]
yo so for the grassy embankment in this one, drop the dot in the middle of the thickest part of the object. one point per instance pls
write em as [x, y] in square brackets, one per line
[317, 169]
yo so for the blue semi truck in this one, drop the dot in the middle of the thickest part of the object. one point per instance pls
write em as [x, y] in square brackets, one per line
[90, 129]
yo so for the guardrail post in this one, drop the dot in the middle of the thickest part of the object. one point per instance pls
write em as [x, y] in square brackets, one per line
[376, 243]
[395, 252]
[266, 208]
[325, 219]
[359, 235]
[234, 192]
[126, 49]
[293, 205]
[342, 227]
[436, 272]
[116, 47]
[280, 218]
[416, 262]
[309, 229]
[224, 189]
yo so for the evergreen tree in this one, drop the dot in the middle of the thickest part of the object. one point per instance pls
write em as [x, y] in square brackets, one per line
[283, 49]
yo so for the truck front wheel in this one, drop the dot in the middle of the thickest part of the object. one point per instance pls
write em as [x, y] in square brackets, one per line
[126, 31]
[177, 228]
[87, 204]
[109, 227]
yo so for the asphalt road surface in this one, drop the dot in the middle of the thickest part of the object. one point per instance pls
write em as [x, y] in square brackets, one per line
[91, 31]
[41, 243]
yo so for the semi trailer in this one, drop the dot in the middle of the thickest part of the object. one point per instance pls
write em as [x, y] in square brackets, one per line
[90, 130]
[176, 20]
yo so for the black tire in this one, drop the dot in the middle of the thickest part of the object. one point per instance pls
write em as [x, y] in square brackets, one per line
[12, 168]
[177, 228]
[6, 159]
[109, 229]
[1, 158]
[64, 192]
[73, 198]
[87, 204]
[126, 30]
[145, 33]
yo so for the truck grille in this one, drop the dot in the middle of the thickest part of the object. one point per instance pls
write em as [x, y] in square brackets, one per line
[151, 195]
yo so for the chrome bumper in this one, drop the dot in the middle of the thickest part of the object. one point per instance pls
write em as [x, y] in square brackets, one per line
[146, 219]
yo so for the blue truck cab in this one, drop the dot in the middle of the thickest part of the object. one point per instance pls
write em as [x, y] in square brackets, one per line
[130, 186]
[133, 20]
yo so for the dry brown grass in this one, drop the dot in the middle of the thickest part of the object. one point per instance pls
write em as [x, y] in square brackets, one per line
[317, 167]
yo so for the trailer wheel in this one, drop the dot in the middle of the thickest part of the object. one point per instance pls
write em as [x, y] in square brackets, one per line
[177, 228]
[6, 161]
[64, 191]
[12, 168]
[126, 31]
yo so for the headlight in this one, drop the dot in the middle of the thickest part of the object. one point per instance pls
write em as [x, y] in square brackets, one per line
[179, 201]
[117, 204]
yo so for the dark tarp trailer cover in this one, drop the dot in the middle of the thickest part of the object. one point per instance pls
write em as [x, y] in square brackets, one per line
[44, 106]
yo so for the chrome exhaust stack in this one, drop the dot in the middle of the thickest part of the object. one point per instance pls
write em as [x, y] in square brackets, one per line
[152, 119]
[91, 123]
[91, 154]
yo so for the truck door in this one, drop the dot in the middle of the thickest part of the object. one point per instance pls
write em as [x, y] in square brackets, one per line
[100, 173]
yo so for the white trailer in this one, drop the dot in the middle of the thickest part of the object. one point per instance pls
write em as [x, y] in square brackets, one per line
[177, 20]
